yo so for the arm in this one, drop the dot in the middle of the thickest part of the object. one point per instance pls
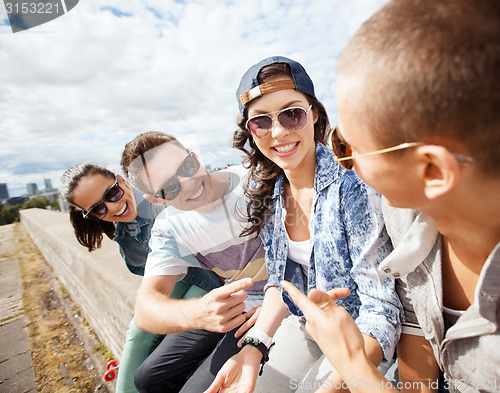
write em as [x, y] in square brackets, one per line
[240, 372]
[380, 311]
[220, 310]
[334, 382]
[347, 351]
[418, 370]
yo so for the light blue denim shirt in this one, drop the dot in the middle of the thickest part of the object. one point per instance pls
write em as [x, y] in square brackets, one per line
[348, 241]
[133, 237]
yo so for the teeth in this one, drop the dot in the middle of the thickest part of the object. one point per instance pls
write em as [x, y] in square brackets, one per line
[198, 193]
[286, 148]
[123, 210]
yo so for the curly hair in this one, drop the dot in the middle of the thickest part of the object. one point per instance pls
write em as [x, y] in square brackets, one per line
[263, 172]
[89, 233]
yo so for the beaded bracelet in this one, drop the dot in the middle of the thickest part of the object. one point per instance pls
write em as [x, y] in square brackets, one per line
[255, 342]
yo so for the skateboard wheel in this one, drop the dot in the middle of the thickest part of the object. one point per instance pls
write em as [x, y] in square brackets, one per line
[110, 375]
[111, 364]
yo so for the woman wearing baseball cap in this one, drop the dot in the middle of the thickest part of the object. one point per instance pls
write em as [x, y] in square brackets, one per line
[321, 227]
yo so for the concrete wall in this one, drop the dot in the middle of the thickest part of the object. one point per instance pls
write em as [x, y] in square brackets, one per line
[98, 282]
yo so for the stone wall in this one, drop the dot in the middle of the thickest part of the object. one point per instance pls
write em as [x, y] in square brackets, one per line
[98, 282]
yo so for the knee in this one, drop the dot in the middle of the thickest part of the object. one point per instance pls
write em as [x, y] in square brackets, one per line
[142, 379]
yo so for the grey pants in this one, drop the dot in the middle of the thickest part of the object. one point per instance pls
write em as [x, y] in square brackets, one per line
[296, 363]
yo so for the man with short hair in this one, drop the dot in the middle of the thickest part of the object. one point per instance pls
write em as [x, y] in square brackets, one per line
[418, 94]
[199, 228]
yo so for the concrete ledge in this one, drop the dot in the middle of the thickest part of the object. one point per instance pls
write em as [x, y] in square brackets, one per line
[98, 282]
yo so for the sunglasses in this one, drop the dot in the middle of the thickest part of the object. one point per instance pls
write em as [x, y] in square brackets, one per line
[99, 209]
[171, 188]
[292, 119]
[345, 156]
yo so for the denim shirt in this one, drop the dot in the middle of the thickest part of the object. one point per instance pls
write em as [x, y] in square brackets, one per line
[348, 241]
[133, 237]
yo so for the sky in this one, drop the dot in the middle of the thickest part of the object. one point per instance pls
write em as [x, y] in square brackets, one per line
[81, 86]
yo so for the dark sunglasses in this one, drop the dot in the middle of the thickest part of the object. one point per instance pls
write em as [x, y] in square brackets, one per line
[292, 119]
[171, 188]
[99, 209]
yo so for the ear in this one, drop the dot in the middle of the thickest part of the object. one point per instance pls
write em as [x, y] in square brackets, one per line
[440, 170]
[315, 116]
[156, 201]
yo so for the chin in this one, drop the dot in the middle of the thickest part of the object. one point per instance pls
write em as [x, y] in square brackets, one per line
[397, 204]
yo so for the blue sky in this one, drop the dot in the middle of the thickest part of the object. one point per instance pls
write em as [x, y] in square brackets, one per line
[81, 86]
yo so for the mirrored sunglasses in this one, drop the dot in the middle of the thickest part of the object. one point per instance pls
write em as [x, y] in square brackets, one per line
[292, 119]
[99, 209]
[171, 188]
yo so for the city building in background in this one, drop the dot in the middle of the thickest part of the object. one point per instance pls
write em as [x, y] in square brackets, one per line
[48, 184]
[32, 189]
[4, 191]
[17, 200]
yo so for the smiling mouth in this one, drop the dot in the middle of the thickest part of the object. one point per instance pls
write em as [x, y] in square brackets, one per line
[285, 148]
[123, 210]
[198, 193]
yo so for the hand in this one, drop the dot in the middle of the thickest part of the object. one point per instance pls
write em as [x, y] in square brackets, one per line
[239, 373]
[155, 200]
[323, 317]
[221, 310]
[251, 317]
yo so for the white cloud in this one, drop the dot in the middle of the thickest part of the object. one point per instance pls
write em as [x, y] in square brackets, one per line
[81, 86]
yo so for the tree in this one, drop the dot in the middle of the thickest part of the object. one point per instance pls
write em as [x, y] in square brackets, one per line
[9, 214]
[40, 203]
[55, 205]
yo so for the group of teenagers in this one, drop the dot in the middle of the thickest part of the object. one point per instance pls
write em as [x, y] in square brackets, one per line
[332, 254]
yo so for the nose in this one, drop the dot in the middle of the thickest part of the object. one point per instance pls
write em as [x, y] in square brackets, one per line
[278, 131]
[187, 184]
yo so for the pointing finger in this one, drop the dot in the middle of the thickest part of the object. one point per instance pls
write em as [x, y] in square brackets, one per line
[298, 297]
[228, 290]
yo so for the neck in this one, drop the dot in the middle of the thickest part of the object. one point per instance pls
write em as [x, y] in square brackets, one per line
[470, 222]
[303, 175]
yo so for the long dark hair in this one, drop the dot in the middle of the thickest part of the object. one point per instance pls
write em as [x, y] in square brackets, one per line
[87, 231]
[263, 172]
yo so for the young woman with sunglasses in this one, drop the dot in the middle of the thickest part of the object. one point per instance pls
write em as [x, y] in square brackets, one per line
[321, 228]
[101, 202]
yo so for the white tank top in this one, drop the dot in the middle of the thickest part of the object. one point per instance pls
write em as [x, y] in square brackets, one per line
[299, 252]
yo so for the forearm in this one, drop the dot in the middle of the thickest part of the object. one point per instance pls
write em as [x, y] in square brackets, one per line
[158, 313]
[335, 383]
[417, 367]
[272, 313]
[220, 310]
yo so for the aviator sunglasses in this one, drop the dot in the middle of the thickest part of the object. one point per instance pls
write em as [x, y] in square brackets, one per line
[171, 188]
[292, 119]
[99, 209]
[345, 156]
